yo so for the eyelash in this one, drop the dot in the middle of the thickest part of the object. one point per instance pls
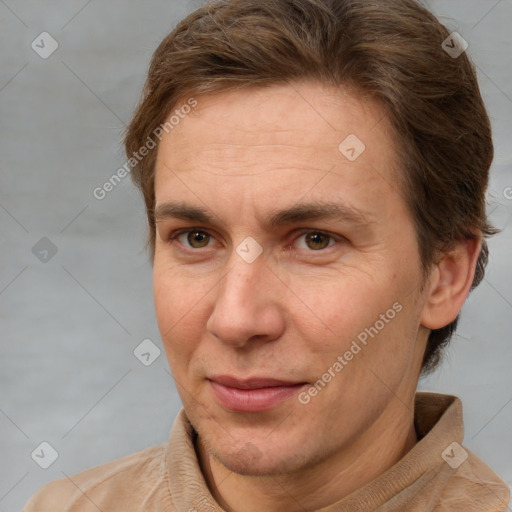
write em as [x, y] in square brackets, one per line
[337, 239]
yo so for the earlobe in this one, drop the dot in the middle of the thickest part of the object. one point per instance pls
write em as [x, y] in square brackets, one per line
[450, 282]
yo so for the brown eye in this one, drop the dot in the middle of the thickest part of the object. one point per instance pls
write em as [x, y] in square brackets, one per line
[317, 241]
[196, 239]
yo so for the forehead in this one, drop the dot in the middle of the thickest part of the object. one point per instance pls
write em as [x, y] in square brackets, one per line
[271, 141]
[305, 111]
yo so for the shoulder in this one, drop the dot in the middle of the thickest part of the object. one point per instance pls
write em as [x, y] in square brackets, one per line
[124, 481]
[474, 487]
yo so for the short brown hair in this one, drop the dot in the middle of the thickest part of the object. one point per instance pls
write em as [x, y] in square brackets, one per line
[391, 50]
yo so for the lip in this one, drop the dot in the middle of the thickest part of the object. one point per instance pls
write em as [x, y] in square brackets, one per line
[252, 395]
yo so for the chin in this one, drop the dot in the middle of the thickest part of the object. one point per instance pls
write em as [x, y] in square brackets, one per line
[249, 460]
[246, 465]
[249, 452]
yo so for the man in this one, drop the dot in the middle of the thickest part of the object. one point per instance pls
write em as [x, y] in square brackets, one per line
[316, 209]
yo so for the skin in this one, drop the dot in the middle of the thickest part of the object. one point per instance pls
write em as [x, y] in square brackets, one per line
[299, 305]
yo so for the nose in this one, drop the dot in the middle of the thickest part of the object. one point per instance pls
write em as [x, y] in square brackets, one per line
[247, 306]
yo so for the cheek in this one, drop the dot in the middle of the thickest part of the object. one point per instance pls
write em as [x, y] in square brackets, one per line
[176, 307]
[165, 294]
[369, 318]
[176, 295]
[345, 308]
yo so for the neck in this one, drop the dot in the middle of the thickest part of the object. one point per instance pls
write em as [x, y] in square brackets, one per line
[322, 484]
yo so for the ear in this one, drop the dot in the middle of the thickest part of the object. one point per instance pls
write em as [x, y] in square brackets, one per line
[449, 283]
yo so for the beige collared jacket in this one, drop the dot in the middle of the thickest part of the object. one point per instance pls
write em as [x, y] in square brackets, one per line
[435, 475]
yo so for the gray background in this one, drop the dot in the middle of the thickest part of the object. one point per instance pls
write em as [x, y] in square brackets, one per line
[69, 325]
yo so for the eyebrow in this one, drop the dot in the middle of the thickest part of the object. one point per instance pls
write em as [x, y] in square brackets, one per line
[297, 213]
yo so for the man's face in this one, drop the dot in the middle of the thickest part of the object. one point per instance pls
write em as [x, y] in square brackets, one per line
[324, 290]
